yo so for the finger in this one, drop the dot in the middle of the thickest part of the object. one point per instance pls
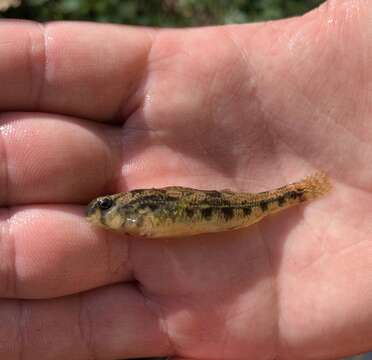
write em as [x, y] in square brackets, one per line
[81, 69]
[50, 251]
[50, 158]
[108, 323]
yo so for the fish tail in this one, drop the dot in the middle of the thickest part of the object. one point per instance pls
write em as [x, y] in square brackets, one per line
[314, 186]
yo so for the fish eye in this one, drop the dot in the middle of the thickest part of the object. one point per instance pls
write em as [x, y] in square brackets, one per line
[105, 203]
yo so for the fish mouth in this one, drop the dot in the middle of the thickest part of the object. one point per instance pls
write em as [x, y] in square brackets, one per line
[92, 214]
[90, 209]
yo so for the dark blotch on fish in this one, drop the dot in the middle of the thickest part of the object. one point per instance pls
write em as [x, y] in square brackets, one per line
[206, 213]
[292, 194]
[247, 210]
[189, 212]
[153, 206]
[228, 213]
[264, 204]
[281, 200]
[213, 193]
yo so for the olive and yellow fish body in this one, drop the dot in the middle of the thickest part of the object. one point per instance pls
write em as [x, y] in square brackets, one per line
[179, 211]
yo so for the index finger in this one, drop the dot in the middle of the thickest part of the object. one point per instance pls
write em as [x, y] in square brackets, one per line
[86, 70]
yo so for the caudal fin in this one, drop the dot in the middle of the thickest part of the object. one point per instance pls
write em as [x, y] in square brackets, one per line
[315, 185]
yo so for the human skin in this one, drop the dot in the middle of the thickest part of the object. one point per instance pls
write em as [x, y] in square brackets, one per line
[91, 109]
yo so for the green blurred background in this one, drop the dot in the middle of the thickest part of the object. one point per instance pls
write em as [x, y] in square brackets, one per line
[164, 13]
[161, 12]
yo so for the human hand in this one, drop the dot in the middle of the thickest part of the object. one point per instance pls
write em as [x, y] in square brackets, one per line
[243, 107]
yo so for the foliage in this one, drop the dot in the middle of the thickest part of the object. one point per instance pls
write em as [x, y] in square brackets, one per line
[161, 12]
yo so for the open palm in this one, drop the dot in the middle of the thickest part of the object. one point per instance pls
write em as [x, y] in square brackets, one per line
[242, 107]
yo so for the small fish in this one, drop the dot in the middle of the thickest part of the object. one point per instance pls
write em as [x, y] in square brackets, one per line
[179, 211]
